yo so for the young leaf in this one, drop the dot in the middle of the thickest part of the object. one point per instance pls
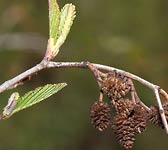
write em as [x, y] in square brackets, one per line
[34, 97]
[54, 19]
[60, 25]
[67, 16]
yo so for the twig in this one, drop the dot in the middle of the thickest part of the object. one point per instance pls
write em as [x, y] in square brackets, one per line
[161, 110]
[46, 65]
[12, 83]
[96, 73]
[163, 93]
[136, 98]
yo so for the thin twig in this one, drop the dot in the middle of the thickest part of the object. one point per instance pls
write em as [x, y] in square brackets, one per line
[102, 67]
[161, 110]
[136, 98]
[46, 65]
[163, 93]
[96, 73]
[12, 83]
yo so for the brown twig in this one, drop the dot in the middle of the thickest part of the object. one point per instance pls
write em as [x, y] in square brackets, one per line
[46, 65]
[96, 73]
[136, 98]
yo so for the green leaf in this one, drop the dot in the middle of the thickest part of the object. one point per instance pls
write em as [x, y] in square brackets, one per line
[60, 25]
[35, 96]
[54, 19]
[67, 16]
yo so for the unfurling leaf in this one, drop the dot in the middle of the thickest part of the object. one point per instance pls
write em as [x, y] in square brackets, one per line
[54, 19]
[30, 98]
[67, 16]
[60, 26]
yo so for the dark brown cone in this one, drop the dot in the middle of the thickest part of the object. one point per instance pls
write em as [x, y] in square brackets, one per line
[126, 126]
[100, 115]
[124, 131]
[140, 119]
[154, 116]
[115, 85]
[124, 106]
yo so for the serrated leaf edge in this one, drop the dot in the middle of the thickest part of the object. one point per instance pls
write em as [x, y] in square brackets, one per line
[58, 86]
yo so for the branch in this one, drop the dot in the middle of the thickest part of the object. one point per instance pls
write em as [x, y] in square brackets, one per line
[44, 64]
[18, 80]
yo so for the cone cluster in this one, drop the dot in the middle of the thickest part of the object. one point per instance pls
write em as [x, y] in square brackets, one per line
[130, 117]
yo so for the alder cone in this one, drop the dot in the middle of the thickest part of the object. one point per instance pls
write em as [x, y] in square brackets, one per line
[124, 131]
[115, 85]
[154, 115]
[140, 118]
[126, 126]
[124, 106]
[100, 115]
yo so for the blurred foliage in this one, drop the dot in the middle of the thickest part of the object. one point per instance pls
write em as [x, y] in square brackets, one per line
[128, 35]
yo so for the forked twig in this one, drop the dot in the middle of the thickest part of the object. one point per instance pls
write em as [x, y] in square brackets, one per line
[46, 65]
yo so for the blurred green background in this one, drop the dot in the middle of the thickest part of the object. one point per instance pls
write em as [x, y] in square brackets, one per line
[130, 35]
